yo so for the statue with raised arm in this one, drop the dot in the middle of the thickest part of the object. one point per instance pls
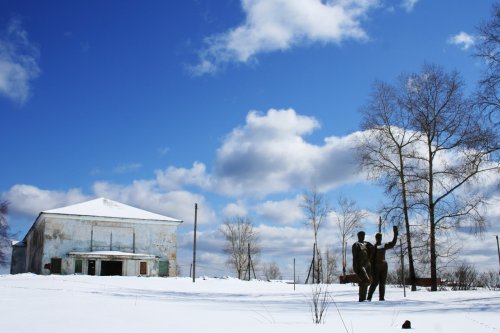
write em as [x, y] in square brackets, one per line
[361, 257]
[380, 265]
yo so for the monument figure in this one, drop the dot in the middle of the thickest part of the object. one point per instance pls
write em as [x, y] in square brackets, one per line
[361, 263]
[379, 265]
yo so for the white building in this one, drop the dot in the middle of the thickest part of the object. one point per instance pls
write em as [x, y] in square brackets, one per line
[98, 237]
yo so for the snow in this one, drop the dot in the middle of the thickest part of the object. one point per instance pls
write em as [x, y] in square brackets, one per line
[79, 303]
[108, 208]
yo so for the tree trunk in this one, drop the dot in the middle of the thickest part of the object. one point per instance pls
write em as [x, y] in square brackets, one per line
[407, 223]
[432, 224]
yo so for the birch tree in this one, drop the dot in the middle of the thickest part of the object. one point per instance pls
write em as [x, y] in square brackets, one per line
[4, 232]
[456, 149]
[239, 235]
[316, 208]
[348, 218]
[386, 152]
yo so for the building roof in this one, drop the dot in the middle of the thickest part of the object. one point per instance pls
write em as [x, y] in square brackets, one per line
[103, 207]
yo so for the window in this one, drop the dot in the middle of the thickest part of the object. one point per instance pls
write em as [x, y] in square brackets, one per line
[78, 266]
[55, 265]
[143, 268]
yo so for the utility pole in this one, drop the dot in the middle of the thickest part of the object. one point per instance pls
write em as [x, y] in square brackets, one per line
[293, 273]
[194, 242]
[498, 249]
[380, 224]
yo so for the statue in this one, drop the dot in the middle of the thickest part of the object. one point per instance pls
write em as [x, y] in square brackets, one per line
[379, 265]
[361, 256]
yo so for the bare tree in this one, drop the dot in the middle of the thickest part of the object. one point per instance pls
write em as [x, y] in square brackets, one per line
[386, 152]
[4, 232]
[455, 147]
[316, 208]
[330, 267]
[319, 303]
[488, 49]
[348, 218]
[240, 235]
[271, 271]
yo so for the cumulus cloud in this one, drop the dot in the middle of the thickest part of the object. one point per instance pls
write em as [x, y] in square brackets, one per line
[29, 201]
[462, 39]
[277, 25]
[286, 211]
[18, 63]
[408, 5]
[270, 155]
[234, 209]
[176, 178]
[145, 194]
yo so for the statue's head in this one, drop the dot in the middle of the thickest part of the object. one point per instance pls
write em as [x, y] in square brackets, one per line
[361, 236]
[378, 237]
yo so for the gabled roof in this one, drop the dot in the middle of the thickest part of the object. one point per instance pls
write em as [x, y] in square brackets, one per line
[103, 207]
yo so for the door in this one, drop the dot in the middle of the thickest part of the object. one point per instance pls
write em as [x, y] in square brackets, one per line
[163, 268]
[91, 269]
[111, 267]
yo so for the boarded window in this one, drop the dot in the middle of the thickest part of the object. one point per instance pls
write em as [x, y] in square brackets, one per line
[144, 268]
[78, 266]
[163, 268]
[55, 266]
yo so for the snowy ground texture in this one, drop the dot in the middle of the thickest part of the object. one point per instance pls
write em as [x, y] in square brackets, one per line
[31, 303]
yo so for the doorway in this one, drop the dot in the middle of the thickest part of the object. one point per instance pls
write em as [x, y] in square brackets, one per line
[91, 267]
[111, 268]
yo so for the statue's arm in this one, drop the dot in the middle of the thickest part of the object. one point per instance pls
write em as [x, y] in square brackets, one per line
[392, 243]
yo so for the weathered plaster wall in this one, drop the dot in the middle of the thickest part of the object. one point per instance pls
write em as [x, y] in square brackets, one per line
[18, 260]
[62, 236]
[34, 248]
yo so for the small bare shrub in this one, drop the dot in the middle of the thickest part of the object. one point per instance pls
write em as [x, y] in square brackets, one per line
[319, 302]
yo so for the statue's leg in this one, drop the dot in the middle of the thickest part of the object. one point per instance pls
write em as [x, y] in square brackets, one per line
[373, 285]
[383, 279]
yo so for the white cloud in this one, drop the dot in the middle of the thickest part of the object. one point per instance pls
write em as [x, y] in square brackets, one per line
[28, 200]
[145, 194]
[462, 39]
[408, 5]
[176, 178]
[281, 212]
[277, 25]
[235, 209]
[127, 167]
[18, 63]
[269, 155]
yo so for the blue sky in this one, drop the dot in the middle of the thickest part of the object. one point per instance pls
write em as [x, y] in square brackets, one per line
[236, 105]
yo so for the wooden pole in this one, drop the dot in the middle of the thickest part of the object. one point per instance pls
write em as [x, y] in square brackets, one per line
[293, 273]
[402, 267]
[194, 241]
[380, 224]
[498, 249]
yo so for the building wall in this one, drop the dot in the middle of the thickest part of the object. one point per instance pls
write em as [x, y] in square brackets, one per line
[64, 235]
[18, 259]
[34, 248]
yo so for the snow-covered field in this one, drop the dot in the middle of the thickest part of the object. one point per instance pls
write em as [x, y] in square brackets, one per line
[31, 303]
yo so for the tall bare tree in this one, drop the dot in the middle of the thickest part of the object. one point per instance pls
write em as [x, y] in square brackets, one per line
[386, 152]
[331, 266]
[455, 148]
[488, 48]
[348, 218]
[240, 234]
[4, 232]
[316, 208]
